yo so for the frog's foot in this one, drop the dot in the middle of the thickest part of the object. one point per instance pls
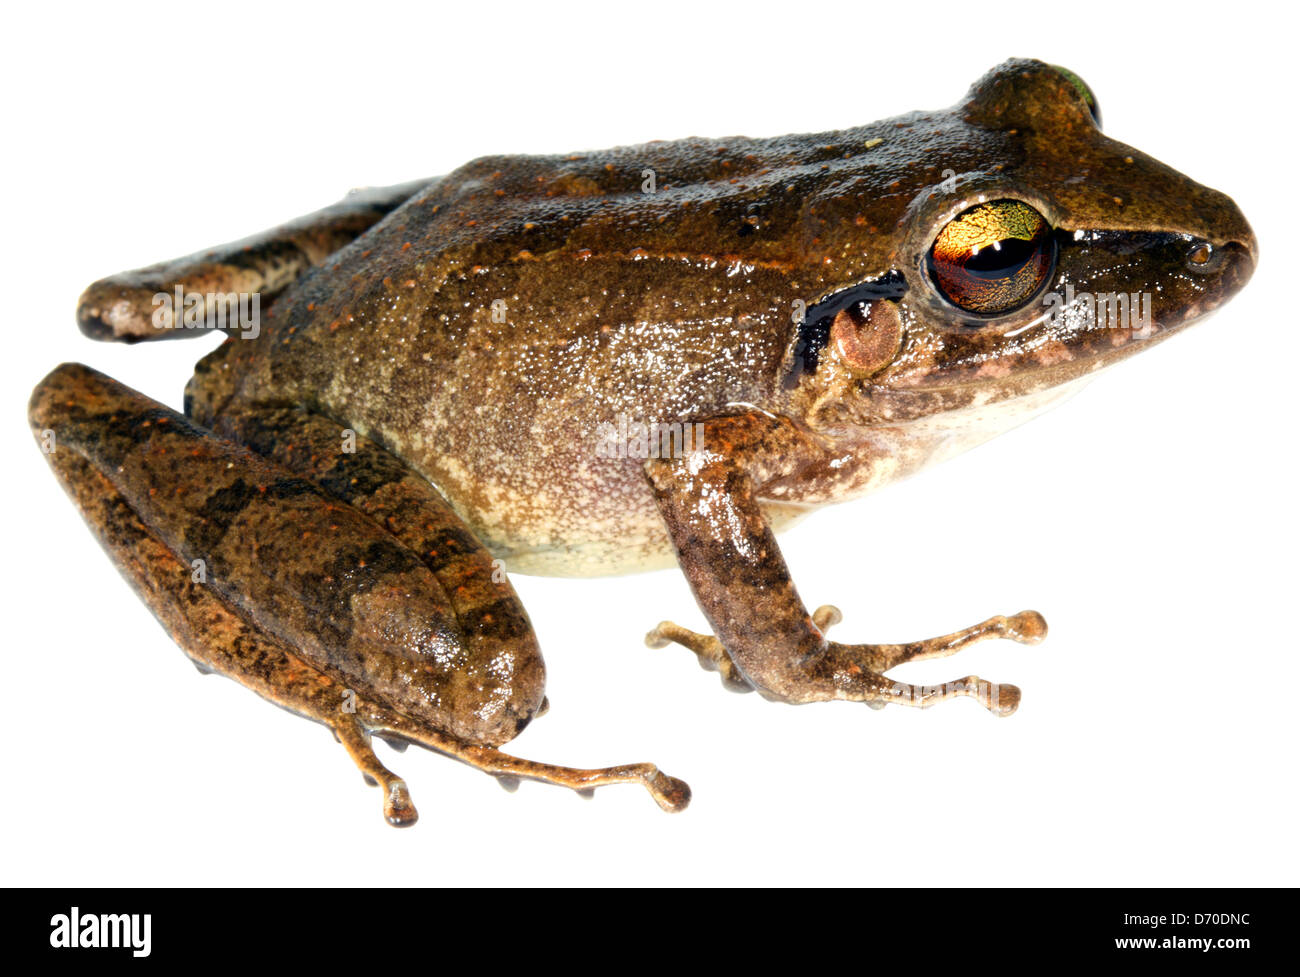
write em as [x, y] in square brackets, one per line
[398, 809]
[710, 653]
[857, 672]
[669, 793]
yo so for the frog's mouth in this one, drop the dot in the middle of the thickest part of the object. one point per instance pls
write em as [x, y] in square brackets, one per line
[1078, 333]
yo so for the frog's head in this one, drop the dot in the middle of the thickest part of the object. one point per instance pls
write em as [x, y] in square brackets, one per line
[1045, 252]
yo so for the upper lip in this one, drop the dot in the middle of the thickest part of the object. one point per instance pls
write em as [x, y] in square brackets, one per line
[1232, 278]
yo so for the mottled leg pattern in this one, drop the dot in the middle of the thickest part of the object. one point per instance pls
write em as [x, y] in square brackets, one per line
[100, 428]
[121, 308]
[764, 637]
[370, 479]
[377, 483]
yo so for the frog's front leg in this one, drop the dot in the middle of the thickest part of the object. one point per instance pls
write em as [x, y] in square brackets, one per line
[764, 636]
[275, 581]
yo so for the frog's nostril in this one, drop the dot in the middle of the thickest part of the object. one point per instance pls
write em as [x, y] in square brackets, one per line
[1240, 240]
[1241, 257]
[1245, 249]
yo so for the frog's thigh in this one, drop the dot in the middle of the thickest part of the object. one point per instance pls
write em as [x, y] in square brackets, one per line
[122, 307]
[312, 571]
[356, 470]
[95, 426]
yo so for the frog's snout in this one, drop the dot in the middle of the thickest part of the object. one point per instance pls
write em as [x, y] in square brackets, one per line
[1236, 235]
[1232, 250]
[1219, 255]
[1204, 258]
[1229, 265]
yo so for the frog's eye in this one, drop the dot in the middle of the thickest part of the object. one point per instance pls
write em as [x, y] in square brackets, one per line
[992, 258]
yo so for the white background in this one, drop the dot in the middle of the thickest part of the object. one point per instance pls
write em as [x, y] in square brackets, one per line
[1151, 519]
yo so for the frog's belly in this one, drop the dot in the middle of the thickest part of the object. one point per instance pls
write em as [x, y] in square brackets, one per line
[551, 507]
[641, 547]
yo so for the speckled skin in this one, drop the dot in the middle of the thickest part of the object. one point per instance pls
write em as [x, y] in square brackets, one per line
[481, 329]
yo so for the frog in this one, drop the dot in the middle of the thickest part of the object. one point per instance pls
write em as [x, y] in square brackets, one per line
[609, 362]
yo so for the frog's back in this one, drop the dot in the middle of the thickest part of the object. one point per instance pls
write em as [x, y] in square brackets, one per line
[487, 330]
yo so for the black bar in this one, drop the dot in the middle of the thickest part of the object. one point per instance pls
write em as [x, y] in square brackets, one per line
[1173, 927]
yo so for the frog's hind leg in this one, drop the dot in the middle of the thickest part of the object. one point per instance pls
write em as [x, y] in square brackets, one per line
[152, 486]
[211, 634]
[217, 639]
[669, 793]
[360, 472]
[125, 307]
[398, 808]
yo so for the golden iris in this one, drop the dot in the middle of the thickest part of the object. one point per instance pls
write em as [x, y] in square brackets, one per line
[992, 258]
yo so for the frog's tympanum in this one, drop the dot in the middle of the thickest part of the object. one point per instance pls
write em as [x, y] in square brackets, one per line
[607, 362]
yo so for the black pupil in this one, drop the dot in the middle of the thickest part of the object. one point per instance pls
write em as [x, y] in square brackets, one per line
[1002, 259]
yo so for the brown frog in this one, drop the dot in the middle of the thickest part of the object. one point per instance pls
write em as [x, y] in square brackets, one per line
[605, 362]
